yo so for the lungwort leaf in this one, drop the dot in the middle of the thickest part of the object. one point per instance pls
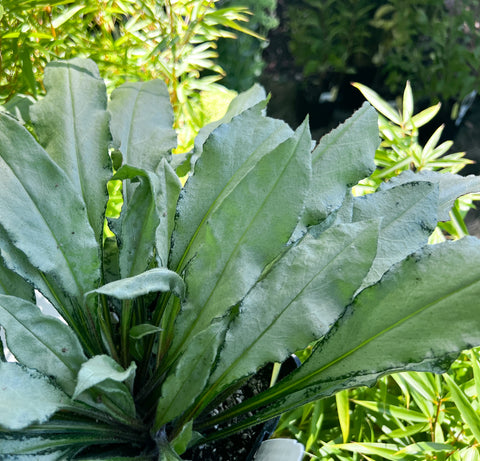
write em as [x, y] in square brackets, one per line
[141, 123]
[72, 124]
[298, 300]
[100, 368]
[26, 397]
[409, 216]
[41, 342]
[244, 230]
[340, 161]
[232, 151]
[41, 205]
[451, 186]
[392, 326]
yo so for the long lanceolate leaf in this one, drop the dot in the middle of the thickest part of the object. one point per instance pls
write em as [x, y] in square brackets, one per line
[391, 326]
[72, 124]
[243, 141]
[38, 203]
[246, 228]
[298, 301]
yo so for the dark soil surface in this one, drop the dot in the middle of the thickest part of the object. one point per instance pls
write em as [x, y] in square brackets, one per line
[243, 445]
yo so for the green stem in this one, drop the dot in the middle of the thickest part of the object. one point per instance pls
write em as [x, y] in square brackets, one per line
[125, 325]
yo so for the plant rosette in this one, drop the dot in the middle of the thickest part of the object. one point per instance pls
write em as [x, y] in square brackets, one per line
[185, 294]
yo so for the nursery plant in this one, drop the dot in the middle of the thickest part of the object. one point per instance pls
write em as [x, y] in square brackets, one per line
[170, 309]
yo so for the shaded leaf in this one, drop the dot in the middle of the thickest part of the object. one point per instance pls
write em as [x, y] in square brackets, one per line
[187, 381]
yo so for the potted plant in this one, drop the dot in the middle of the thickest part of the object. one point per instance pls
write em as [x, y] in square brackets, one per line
[190, 293]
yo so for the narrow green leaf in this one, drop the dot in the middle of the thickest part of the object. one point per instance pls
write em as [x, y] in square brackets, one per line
[468, 413]
[40, 341]
[340, 161]
[243, 141]
[381, 105]
[318, 279]
[343, 412]
[141, 123]
[101, 368]
[152, 281]
[386, 451]
[409, 216]
[51, 212]
[72, 124]
[424, 448]
[423, 117]
[451, 186]
[393, 410]
[26, 397]
[246, 227]
[407, 103]
[432, 143]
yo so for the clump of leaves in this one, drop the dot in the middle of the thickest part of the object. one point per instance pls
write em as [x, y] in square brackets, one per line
[263, 251]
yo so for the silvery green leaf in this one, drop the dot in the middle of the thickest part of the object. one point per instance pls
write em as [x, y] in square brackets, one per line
[26, 397]
[100, 368]
[252, 97]
[40, 341]
[51, 212]
[451, 186]
[409, 216]
[246, 227]
[12, 284]
[183, 385]
[392, 326]
[232, 151]
[298, 300]
[71, 122]
[141, 123]
[342, 158]
[152, 281]
[147, 223]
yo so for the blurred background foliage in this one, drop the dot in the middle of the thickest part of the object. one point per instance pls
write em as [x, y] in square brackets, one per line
[306, 53]
[174, 40]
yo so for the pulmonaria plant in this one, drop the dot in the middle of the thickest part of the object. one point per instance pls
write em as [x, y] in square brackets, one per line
[192, 290]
